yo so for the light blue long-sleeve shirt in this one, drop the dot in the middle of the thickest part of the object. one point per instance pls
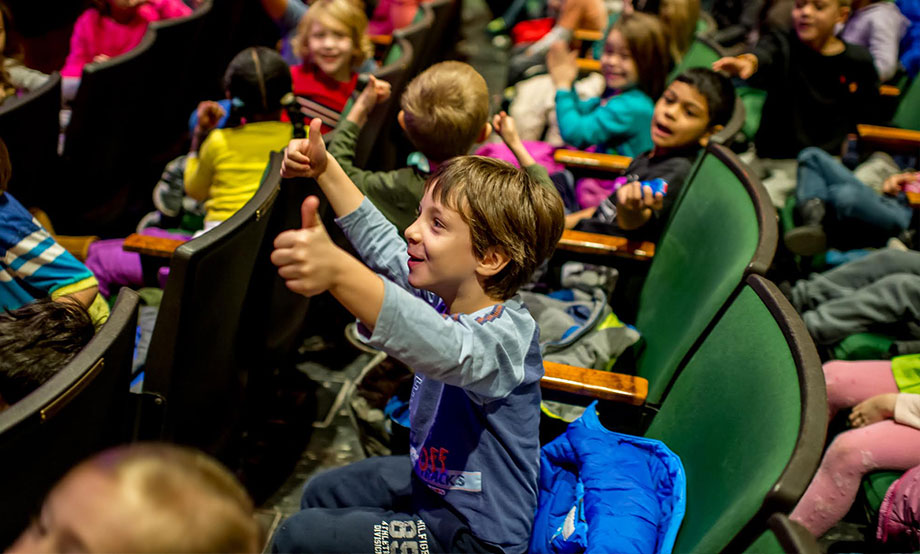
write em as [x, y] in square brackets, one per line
[475, 405]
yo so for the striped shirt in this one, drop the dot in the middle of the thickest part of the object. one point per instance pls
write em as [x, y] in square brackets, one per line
[32, 264]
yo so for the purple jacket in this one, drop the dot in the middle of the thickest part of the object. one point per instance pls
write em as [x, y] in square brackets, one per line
[899, 515]
[878, 27]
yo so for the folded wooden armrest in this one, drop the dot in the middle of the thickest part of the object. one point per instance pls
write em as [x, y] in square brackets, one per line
[159, 247]
[382, 40]
[588, 35]
[603, 385]
[595, 243]
[891, 137]
[889, 90]
[587, 65]
[913, 198]
[592, 160]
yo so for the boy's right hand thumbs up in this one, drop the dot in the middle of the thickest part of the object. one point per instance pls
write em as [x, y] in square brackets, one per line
[307, 259]
[306, 157]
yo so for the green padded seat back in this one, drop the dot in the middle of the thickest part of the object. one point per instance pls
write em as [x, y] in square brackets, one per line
[701, 258]
[702, 53]
[864, 346]
[907, 116]
[733, 417]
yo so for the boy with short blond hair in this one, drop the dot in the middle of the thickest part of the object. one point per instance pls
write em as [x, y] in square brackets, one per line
[445, 306]
[445, 111]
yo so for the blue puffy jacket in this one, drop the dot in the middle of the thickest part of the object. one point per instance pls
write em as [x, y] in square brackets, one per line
[602, 491]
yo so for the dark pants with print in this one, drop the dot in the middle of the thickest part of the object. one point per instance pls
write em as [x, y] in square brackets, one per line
[364, 507]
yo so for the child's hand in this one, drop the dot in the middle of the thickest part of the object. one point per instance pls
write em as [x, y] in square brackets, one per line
[209, 115]
[873, 410]
[560, 61]
[894, 184]
[306, 157]
[505, 127]
[375, 92]
[742, 66]
[634, 197]
[306, 257]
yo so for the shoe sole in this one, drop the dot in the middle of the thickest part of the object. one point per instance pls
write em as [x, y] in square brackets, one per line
[806, 241]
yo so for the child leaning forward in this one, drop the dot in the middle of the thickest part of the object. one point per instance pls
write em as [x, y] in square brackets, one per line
[445, 306]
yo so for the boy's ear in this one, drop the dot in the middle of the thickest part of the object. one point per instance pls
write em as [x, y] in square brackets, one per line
[494, 260]
[401, 118]
[704, 139]
[843, 13]
[484, 132]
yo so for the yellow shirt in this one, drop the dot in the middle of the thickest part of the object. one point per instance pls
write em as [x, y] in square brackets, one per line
[230, 163]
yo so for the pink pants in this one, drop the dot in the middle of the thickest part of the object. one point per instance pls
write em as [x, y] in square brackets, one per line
[854, 453]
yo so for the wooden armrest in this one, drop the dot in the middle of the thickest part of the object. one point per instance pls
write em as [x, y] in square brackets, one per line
[604, 385]
[913, 198]
[592, 160]
[588, 65]
[382, 40]
[891, 137]
[889, 90]
[595, 243]
[588, 35]
[159, 247]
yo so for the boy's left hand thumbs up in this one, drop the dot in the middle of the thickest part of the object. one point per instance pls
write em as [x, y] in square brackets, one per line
[307, 259]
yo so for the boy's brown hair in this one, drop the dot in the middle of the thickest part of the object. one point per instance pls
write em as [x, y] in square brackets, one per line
[445, 109]
[645, 37]
[194, 504]
[345, 13]
[505, 208]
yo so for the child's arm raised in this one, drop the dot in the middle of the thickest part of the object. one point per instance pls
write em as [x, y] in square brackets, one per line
[505, 127]
[308, 158]
[310, 263]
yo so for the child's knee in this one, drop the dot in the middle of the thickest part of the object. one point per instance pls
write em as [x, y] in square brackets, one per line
[832, 377]
[317, 490]
[848, 455]
[810, 155]
[294, 533]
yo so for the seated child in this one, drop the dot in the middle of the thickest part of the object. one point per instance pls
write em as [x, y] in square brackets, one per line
[877, 25]
[885, 434]
[698, 103]
[818, 88]
[224, 167]
[145, 498]
[332, 41]
[17, 78]
[37, 340]
[635, 63]
[878, 292]
[445, 110]
[110, 28]
[470, 481]
[32, 264]
[873, 218]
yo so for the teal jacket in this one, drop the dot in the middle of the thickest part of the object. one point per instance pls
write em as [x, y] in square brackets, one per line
[622, 125]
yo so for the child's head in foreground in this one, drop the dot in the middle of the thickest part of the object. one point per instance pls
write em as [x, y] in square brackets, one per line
[482, 223]
[445, 110]
[332, 36]
[145, 498]
[815, 21]
[697, 103]
[36, 341]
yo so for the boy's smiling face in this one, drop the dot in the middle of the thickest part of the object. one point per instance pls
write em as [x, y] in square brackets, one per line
[441, 257]
[681, 117]
[814, 20]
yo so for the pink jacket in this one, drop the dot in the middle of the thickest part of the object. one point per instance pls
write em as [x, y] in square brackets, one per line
[95, 34]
